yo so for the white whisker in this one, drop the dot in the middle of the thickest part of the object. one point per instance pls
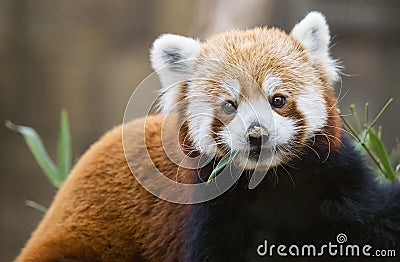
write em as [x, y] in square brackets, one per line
[291, 178]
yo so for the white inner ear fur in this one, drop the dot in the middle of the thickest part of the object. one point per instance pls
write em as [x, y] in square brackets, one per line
[313, 33]
[172, 58]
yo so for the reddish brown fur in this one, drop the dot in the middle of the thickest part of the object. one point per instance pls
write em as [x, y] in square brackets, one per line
[333, 127]
[249, 57]
[101, 213]
[252, 55]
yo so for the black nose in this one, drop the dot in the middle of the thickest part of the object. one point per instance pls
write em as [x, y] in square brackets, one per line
[257, 135]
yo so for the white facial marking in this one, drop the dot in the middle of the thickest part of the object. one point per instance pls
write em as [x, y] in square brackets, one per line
[312, 105]
[270, 83]
[201, 115]
[281, 130]
[232, 86]
[285, 129]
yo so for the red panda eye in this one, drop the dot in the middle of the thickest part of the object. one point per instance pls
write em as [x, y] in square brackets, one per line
[278, 101]
[229, 107]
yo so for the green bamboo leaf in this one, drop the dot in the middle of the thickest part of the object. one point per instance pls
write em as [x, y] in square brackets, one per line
[372, 144]
[382, 154]
[356, 118]
[36, 147]
[366, 114]
[358, 145]
[64, 147]
[221, 164]
[398, 149]
[379, 132]
[36, 206]
[381, 112]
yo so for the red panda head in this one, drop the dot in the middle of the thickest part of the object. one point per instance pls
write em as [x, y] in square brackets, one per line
[262, 94]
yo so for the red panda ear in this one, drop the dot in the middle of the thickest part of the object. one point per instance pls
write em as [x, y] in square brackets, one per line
[172, 58]
[313, 33]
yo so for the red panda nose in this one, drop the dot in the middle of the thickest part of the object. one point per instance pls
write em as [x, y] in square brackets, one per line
[257, 135]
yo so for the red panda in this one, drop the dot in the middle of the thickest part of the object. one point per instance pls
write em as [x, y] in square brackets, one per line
[265, 96]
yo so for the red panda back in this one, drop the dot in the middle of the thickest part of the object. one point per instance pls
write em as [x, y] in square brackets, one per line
[101, 213]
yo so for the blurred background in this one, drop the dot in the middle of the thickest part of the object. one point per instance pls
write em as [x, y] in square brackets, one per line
[88, 57]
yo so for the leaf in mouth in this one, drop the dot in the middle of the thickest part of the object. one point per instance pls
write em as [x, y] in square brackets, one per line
[221, 164]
